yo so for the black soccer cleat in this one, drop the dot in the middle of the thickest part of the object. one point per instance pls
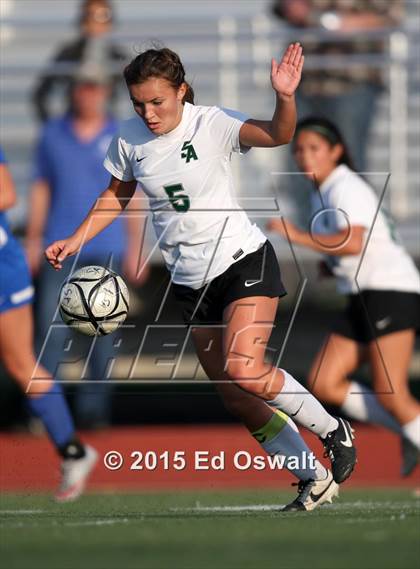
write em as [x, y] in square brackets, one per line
[410, 457]
[340, 449]
[313, 493]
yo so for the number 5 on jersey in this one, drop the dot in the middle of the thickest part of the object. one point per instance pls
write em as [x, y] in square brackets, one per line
[180, 202]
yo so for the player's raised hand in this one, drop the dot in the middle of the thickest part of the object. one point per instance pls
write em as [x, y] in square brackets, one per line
[285, 75]
[59, 250]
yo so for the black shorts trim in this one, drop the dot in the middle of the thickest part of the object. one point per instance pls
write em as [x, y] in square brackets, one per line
[256, 274]
[375, 313]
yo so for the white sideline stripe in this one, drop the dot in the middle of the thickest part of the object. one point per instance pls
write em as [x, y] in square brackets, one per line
[396, 507]
[255, 508]
[376, 505]
[271, 507]
[21, 512]
[95, 523]
[107, 522]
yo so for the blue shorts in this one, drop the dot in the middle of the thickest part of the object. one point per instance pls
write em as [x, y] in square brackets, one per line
[15, 281]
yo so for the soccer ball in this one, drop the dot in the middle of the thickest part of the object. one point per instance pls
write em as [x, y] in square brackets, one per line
[94, 301]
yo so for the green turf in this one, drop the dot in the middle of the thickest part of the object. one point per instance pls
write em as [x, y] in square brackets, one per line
[362, 530]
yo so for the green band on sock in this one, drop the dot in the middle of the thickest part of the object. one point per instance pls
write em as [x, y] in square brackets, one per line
[272, 428]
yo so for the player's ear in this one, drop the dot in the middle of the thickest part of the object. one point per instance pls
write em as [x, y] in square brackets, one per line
[181, 91]
[337, 152]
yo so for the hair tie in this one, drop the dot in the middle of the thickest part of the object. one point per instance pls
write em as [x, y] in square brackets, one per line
[322, 130]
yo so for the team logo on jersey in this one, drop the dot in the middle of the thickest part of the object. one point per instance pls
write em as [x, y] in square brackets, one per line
[188, 151]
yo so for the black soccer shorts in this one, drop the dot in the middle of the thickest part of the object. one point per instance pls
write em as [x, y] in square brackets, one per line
[375, 313]
[256, 274]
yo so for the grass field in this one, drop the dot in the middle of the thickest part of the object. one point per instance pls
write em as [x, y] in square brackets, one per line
[364, 529]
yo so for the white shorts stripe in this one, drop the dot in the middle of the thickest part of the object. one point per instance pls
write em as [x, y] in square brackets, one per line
[22, 295]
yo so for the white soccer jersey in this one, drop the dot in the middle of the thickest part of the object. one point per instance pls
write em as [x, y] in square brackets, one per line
[187, 177]
[385, 265]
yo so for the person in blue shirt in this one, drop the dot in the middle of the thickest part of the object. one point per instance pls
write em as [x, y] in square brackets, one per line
[68, 178]
[44, 397]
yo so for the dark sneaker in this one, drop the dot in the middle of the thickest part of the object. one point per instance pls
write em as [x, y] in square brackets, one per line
[313, 493]
[410, 457]
[340, 449]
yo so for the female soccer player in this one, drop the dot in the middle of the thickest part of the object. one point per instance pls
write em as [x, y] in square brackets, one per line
[380, 281]
[223, 269]
[44, 397]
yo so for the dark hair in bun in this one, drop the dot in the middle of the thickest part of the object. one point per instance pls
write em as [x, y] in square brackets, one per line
[163, 63]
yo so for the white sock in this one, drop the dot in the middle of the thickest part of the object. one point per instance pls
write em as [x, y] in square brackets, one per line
[363, 405]
[296, 401]
[411, 431]
[280, 436]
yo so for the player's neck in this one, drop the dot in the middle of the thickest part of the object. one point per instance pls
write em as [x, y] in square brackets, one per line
[177, 122]
[88, 127]
[324, 175]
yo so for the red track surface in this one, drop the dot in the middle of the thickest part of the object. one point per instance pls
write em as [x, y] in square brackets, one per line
[29, 463]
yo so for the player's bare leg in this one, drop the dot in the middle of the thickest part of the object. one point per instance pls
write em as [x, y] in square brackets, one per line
[276, 432]
[248, 326]
[328, 378]
[45, 399]
[389, 358]
[16, 350]
[251, 410]
[249, 323]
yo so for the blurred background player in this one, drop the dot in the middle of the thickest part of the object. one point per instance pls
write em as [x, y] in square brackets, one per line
[95, 21]
[180, 153]
[346, 93]
[44, 398]
[68, 178]
[383, 306]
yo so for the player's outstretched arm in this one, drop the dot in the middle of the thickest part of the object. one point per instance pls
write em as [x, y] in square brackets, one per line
[285, 78]
[106, 208]
[347, 241]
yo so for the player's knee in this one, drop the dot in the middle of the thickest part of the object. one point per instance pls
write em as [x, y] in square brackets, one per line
[249, 378]
[246, 369]
[325, 387]
[16, 369]
[323, 390]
